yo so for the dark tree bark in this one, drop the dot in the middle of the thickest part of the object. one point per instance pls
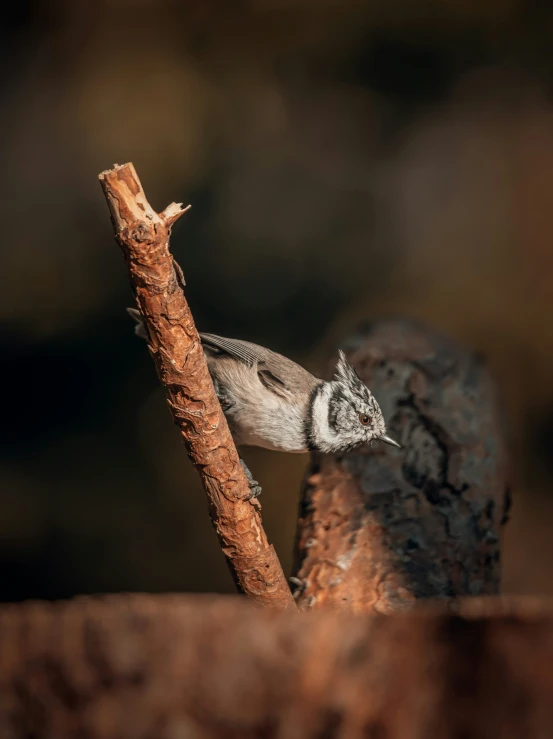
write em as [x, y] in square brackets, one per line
[170, 667]
[381, 528]
[174, 344]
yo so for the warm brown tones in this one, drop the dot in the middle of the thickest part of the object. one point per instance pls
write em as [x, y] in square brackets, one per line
[175, 347]
[178, 667]
[382, 528]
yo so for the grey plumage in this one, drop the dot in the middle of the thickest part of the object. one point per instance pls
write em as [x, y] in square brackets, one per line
[272, 402]
[265, 396]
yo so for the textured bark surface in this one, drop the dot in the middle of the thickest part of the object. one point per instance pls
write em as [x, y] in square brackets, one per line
[175, 347]
[177, 667]
[380, 528]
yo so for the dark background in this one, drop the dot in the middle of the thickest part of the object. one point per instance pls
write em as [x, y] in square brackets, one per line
[344, 160]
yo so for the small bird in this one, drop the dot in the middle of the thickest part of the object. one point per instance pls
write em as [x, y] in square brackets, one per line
[272, 402]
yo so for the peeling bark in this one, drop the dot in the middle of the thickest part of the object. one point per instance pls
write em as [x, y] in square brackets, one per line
[193, 667]
[381, 528]
[174, 344]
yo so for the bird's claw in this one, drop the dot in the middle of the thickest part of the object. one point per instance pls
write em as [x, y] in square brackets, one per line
[255, 487]
[255, 491]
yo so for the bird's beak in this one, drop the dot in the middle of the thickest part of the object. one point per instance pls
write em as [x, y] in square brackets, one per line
[389, 441]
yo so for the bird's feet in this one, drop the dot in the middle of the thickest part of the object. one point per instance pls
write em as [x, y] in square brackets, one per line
[222, 397]
[255, 487]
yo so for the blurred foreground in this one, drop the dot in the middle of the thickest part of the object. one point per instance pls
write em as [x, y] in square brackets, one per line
[183, 667]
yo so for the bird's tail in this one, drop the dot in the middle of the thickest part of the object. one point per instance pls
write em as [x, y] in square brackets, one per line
[140, 328]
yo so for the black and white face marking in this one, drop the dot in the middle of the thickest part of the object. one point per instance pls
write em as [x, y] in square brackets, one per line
[344, 413]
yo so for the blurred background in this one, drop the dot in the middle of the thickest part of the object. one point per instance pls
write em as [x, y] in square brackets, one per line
[345, 160]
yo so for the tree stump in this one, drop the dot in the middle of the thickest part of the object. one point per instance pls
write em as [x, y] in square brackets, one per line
[380, 528]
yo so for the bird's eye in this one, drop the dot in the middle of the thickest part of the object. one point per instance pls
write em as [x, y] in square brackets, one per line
[365, 420]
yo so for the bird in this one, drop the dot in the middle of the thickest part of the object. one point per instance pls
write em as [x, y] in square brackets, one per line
[272, 402]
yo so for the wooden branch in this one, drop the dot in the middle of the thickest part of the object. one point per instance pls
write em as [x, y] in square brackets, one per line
[382, 528]
[214, 667]
[174, 344]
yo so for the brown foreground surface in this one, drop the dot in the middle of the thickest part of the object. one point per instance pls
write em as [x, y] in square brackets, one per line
[195, 667]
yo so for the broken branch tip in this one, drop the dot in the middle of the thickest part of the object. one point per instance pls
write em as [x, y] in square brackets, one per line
[173, 212]
[116, 167]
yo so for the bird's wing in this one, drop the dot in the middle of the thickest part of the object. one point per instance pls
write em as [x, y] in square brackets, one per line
[269, 364]
[242, 350]
[279, 374]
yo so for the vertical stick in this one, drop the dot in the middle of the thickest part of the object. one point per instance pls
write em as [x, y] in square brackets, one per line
[174, 344]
